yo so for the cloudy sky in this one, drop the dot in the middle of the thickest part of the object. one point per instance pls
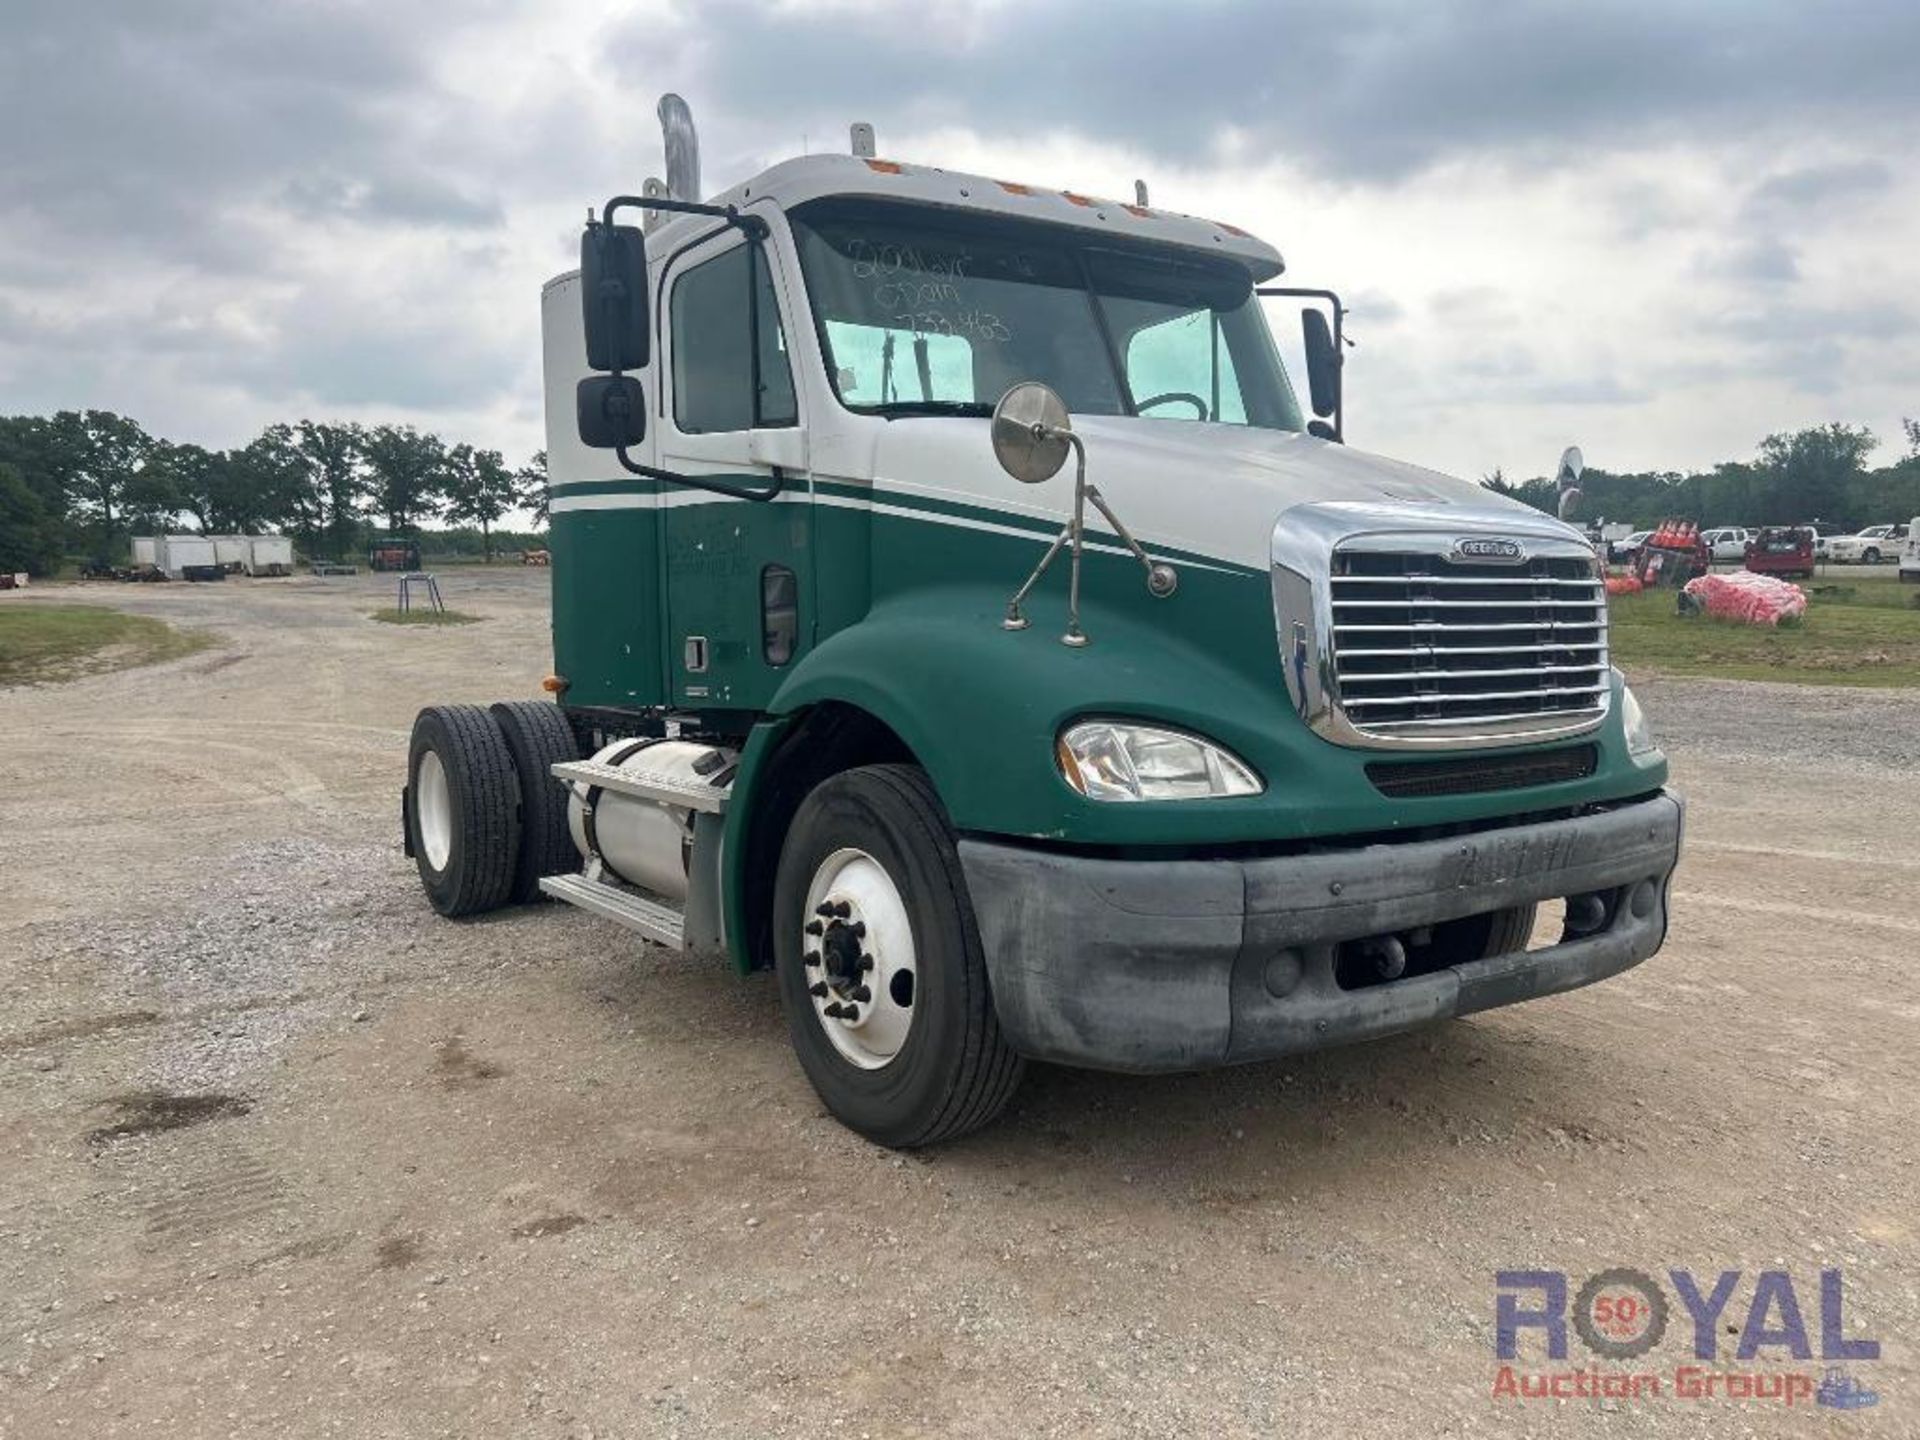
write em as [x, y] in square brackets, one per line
[1661, 230]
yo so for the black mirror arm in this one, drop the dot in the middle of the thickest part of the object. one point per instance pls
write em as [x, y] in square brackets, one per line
[752, 224]
[772, 488]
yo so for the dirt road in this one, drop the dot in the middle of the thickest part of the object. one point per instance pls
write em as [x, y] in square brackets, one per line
[282, 1154]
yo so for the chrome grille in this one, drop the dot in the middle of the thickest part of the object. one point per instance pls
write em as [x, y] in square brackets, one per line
[1426, 647]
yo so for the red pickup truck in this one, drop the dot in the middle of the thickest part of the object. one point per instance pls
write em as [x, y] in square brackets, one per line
[1785, 550]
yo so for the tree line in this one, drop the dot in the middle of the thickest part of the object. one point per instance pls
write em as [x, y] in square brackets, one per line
[1817, 476]
[80, 482]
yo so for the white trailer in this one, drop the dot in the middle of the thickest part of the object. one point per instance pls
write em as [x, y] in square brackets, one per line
[187, 557]
[230, 551]
[269, 555]
[145, 550]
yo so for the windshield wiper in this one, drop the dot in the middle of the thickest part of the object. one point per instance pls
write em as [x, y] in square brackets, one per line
[893, 409]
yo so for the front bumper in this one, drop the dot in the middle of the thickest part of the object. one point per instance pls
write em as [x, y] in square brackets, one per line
[1153, 965]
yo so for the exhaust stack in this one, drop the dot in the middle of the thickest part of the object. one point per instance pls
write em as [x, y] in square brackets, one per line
[682, 147]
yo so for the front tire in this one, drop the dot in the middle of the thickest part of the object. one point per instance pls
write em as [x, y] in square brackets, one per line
[461, 809]
[905, 1049]
[1872, 557]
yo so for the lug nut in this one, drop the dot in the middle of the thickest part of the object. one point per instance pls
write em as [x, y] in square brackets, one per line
[817, 989]
[866, 963]
[862, 994]
[825, 910]
[814, 927]
[835, 1009]
[851, 1013]
[810, 959]
[858, 929]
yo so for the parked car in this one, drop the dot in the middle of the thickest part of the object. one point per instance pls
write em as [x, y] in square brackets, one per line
[1870, 546]
[1784, 550]
[1910, 552]
[1728, 544]
[1622, 551]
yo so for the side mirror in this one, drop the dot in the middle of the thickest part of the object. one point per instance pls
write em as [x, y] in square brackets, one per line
[1030, 429]
[613, 296]
[610, 411]
[1323, 362]
[1567, 480]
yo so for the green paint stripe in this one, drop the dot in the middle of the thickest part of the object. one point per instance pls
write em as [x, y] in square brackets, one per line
[632, 485]
[960, 510]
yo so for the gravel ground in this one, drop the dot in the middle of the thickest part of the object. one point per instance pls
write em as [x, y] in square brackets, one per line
[282, 1154]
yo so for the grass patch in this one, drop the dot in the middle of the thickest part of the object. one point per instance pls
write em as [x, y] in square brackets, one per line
[1862, 631]
[45, 644]
[424, 617]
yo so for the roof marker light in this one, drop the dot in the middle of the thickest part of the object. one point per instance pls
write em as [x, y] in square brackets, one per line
[1014, 188]
[886, 167]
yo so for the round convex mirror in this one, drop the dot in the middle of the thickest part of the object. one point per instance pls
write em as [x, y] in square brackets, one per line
[1030, 432]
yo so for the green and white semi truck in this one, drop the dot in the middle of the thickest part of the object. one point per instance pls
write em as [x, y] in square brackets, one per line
[955, 613]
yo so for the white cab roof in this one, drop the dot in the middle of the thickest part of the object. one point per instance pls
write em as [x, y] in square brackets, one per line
[813, 177]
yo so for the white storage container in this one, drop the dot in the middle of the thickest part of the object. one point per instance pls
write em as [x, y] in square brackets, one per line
[269, 555]
[177, 554]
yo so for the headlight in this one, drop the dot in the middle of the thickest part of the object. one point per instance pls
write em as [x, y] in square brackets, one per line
[1639, 733]
[1109, 760]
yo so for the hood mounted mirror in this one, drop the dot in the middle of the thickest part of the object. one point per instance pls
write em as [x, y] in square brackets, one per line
[1032, 434]
[1572, 466]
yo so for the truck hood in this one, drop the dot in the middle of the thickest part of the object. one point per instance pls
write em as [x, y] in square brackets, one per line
[1209, 490]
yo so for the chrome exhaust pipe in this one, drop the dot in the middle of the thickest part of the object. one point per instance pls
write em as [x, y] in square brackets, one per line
[682, 146]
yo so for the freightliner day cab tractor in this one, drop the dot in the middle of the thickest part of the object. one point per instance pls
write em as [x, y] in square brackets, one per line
[1214, 740]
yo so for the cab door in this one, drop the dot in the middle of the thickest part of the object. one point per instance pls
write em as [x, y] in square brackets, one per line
[737, 573]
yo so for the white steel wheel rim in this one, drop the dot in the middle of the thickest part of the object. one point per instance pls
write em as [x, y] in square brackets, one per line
[433, 806]
[855, 913]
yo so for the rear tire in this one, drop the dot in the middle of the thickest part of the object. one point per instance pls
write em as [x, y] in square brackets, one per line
[538, 736]
[951, 1071]
[1872, 557]
[461, 809]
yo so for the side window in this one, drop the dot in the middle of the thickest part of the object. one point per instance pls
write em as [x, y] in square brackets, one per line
[717, 355]
[1182, 361]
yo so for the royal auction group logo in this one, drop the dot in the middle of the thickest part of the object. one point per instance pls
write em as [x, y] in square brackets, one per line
[1621, 1315]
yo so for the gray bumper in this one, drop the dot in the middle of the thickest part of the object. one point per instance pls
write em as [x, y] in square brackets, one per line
[1187, 964]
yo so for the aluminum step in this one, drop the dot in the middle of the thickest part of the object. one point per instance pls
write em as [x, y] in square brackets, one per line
[633, 780]
[645, 917]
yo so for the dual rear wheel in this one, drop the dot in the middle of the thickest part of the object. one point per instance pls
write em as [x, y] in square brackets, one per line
[483, 820]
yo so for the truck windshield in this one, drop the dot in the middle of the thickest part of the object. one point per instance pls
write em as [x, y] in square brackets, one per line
[933, 312]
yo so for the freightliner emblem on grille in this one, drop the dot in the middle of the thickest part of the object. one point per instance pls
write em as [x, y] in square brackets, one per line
[1495, 548]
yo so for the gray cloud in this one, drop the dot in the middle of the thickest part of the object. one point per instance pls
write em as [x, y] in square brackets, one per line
[1371, 89]
[1794, 192]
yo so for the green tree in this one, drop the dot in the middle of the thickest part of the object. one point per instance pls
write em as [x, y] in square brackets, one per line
[409, 474]
[479, 490]
[29, 531]
[336, 479]
[530, 482]
[1812, 474]
[104, 455]
[42, 455]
